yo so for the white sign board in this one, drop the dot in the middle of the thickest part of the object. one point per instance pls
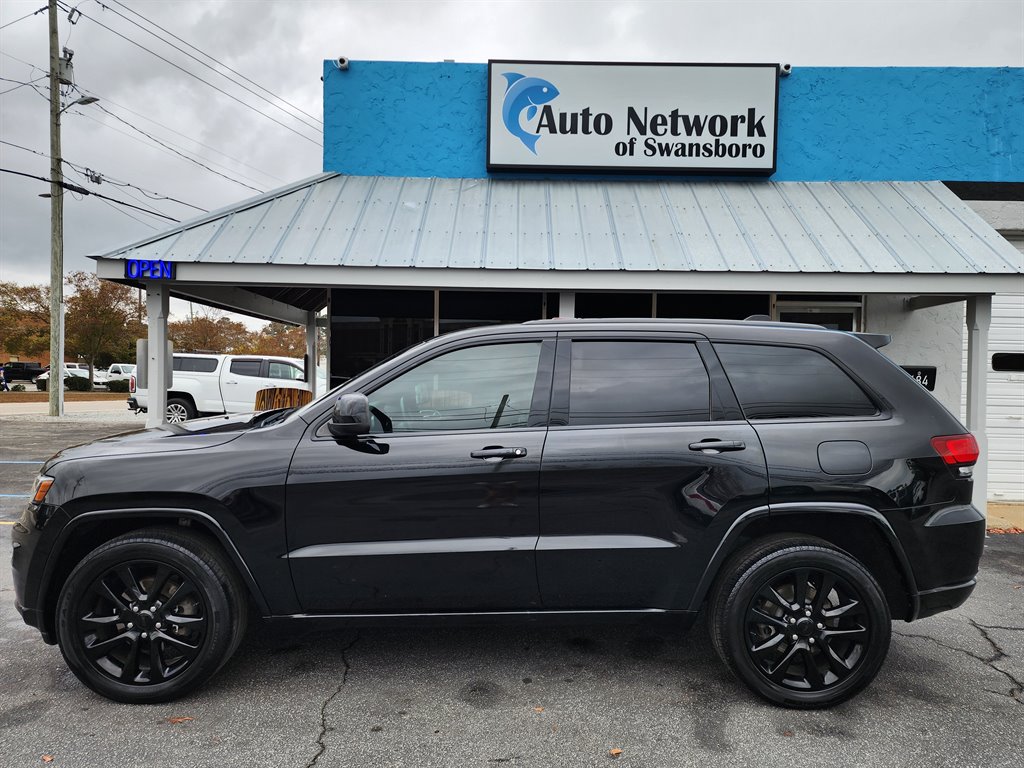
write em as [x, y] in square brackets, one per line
[638, 118]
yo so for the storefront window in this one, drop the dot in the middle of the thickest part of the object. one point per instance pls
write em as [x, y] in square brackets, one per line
[713, 306]
[368, 326]
[613, 305]
[468, 309]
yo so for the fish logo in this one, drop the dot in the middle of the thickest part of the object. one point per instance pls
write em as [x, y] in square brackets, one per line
[524, 93]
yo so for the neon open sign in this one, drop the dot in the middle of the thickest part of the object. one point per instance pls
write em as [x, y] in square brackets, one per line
[146, 269]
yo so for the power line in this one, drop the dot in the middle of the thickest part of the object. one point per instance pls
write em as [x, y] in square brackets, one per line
[22, 61]
[211, 68]
[155, 213]
[109, 179]
[130, 216]
[20, 83]
[84, 191]
[197, 77]
[221, 63]
[190, 159]
[87, 92]
[144, 117]
[168, 150]
[9, 23]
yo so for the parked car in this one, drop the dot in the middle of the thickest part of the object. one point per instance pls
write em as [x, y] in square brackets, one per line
[120, 371]
[789, 479]
[13, 371]
[72, 369]
[215, 384]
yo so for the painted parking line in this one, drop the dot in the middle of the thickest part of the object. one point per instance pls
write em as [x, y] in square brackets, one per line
[8, 522]
[4, 461]
[14, 495]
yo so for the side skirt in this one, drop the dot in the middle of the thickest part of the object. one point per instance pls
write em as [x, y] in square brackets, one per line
[679, 620]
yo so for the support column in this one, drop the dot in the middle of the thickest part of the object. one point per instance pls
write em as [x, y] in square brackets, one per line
[567, 304]
[158, 299]
[979, 318]
[311, 352]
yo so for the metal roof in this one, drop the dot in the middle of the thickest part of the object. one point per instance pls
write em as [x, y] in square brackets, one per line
[598, 225]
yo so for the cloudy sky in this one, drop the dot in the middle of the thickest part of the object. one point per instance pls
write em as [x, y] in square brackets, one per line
[279, 45]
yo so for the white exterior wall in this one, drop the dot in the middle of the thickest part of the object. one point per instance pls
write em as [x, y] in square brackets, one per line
[1005, 416]
[932, 336]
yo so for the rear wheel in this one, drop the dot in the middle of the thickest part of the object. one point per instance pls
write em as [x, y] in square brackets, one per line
[149, 616]
[179, 410]
[801, 623]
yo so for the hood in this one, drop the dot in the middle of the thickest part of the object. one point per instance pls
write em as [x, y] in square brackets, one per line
[190, 436]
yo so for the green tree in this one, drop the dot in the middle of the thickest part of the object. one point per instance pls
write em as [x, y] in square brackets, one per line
[102, 318]
[24, 318]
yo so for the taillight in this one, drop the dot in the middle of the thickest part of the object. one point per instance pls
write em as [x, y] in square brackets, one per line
[131, 383]
[956, 450]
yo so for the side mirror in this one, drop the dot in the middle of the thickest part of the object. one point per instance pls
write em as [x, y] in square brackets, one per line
[351, 416]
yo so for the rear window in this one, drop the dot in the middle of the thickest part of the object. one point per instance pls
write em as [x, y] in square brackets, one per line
[281, 370]
[637, 382]
[791, 382]
[195, 364]
[246, 367]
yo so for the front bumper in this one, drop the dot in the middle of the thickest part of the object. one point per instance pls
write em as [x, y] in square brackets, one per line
[32, 543]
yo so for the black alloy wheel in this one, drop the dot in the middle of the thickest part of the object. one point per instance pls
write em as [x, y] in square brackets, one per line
[147, 622]
[803, 624]
[149, 616]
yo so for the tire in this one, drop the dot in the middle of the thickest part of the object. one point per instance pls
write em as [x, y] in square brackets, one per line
[178, 410]
[41, 385]
[126, 645]
[840, 622]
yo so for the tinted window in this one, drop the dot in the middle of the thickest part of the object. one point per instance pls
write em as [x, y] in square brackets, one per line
[195, 364]
[485, 387]
[279, 370]
[246, 367]
[781, 382]
[637, 382]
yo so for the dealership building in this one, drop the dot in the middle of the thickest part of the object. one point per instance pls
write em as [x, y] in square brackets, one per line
[886, 200]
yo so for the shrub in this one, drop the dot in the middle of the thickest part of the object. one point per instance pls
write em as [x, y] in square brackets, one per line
[18, 388]
[78, 384]
[118, 385]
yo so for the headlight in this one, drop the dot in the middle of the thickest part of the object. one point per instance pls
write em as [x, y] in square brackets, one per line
[40, 489]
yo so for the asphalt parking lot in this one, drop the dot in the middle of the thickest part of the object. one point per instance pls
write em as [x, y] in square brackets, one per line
[950, 693]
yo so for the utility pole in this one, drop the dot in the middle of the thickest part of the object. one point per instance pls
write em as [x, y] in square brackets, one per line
[56, 383]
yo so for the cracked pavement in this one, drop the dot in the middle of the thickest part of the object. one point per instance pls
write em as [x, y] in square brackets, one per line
[949, 694]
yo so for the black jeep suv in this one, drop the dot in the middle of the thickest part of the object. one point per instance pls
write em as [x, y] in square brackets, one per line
[790, 479]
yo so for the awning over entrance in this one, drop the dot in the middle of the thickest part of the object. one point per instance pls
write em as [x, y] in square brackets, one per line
[849, 237]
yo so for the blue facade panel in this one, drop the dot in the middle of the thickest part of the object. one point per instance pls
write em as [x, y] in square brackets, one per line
[835, 123]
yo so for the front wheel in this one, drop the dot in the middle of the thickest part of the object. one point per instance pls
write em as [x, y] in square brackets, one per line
[149, 616]
[802, 624]
[179, 410]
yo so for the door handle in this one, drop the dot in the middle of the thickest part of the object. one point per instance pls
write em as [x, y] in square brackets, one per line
[718, 446]
[497, 454]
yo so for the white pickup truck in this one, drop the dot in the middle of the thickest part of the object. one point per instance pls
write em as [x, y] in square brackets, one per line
[206, 385]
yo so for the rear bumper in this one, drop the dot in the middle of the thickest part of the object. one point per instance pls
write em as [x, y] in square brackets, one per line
[933, 601]
[133, 405]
